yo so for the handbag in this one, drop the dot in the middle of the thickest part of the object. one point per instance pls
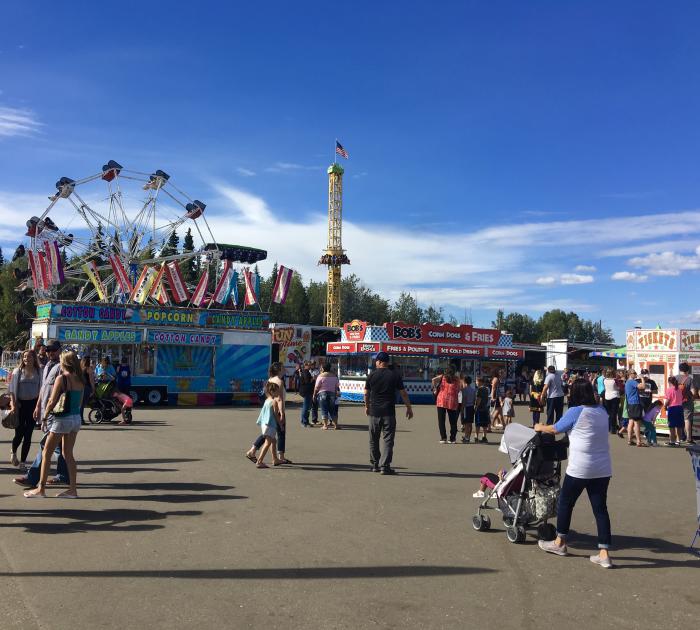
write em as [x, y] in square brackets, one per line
[62, 406]
[9, 419]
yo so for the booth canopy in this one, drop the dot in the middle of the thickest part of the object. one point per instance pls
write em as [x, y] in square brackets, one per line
[614, 353]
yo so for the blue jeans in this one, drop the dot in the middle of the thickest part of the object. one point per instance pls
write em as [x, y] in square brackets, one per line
[555, 409]
[34, 471]
[326, 401]
[597, 490]
[305, 409]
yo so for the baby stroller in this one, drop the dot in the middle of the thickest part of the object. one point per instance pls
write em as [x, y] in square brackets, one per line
[107, 402]
[528, 493]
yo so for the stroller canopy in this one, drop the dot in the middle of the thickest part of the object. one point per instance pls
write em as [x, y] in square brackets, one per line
[514, 440]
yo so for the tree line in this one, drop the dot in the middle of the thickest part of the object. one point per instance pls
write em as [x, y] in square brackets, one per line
[305, 304]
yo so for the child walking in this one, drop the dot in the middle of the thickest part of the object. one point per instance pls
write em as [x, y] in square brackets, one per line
[268, 419]
[508, 408]
[650, 420]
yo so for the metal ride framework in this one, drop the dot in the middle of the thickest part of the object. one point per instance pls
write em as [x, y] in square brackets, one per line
[334, 257]
[132, 228]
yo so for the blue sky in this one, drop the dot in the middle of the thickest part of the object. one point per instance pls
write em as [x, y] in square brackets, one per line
[505, 154]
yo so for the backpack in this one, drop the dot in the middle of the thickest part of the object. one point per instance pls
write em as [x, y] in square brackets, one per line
[686, 388]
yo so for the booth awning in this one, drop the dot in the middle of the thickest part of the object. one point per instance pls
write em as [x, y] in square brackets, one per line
[613, 353]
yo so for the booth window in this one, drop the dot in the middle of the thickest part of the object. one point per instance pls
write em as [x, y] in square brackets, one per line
[145, 359]
[411, 368]
[353, 365]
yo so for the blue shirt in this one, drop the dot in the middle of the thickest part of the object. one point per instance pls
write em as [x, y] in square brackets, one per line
[266, 418]
[632, 393]
[123, 377]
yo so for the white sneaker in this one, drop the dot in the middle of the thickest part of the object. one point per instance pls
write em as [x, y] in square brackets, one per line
[443, 441]
[479, 494]
[606, 563]
[550, 546]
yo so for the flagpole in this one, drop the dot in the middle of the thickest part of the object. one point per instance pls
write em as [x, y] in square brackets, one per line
[334, 153]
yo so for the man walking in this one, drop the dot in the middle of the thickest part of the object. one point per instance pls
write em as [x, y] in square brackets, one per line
[553, 390]
[685, 382]
[380, 405]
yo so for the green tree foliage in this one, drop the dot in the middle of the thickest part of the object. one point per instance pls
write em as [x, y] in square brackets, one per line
[359, 302]
[172, 245]
[554, 324]
[189, 267]
[406, 309]
[15, 311]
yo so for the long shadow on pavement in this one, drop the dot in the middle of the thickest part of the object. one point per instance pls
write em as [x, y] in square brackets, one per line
[311, 573]
[624, 544]
[173, 485]
[365, 468]
[102, 462]
[89, 520]
[169, 498]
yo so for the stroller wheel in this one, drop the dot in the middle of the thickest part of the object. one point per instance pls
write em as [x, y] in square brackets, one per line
[516, 534]
[546, 531]
[95, 416]
[508, 521]
[481, 523]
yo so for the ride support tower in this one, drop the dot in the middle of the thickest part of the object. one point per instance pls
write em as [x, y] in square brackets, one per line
[334, 256]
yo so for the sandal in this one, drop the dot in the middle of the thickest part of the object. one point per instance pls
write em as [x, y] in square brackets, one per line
[261, 465]
[642, 445]
[54, 482]
[30, 494]
[286, 461]
[66, 495]
[252, 458]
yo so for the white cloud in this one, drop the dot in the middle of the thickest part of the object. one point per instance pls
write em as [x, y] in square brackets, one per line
[585, 268]
[246, 172]
[651, 247]
[667, 263]
[564, 278]
[629, 276]
[576, 278]
[18, 122]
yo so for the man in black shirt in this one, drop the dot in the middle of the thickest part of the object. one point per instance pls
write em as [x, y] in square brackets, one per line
[380, 405]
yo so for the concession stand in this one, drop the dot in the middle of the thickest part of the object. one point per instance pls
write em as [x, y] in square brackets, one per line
[417, 352]
[661, 351]
[183, 356]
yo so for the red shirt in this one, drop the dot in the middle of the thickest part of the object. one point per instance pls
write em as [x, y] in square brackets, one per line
[448, 395]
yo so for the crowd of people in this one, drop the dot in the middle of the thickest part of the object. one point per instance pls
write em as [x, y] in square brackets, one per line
[49, 389]
[630, 400]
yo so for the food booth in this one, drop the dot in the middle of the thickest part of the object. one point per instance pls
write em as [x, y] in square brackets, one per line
[661, 351]
[417, 352]
[184, 356]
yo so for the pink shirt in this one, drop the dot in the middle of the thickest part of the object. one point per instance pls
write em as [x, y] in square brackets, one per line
[328, 383]
[674, 397]
[447, 397]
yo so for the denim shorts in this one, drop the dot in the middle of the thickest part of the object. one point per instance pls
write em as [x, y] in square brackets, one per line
[64, 424]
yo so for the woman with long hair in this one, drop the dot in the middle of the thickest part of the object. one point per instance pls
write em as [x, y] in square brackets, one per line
[536, 406]
[275, 376]
[589, 468]
[62, 427]
[447, 403]
[24, 392]
[611, 399]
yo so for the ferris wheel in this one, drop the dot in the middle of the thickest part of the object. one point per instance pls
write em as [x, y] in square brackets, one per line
[108, 229]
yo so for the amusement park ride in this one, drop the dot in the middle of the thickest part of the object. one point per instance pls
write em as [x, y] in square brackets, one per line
[112, 250]
[334, 256]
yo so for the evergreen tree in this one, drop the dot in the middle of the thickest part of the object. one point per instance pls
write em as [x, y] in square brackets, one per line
[406, 309]
[296, 308]
[189, 267]
[171, 246]
[2, 258]
[316, 294]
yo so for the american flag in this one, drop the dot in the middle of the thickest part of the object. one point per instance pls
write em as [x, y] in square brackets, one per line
[340, 151]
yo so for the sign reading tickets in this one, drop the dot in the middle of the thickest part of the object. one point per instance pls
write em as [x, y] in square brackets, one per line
[153, 315]
[99, 335]
[184, 338]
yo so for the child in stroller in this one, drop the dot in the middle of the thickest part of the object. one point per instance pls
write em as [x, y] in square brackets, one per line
[107, 402]
[527, 494]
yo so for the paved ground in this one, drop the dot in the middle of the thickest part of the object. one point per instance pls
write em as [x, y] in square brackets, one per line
[175, 529]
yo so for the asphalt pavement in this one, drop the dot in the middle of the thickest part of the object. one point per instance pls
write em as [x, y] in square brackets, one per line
[176, 529]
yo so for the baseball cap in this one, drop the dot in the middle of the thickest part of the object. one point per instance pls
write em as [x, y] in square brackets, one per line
[381, 356]
[53, 346]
